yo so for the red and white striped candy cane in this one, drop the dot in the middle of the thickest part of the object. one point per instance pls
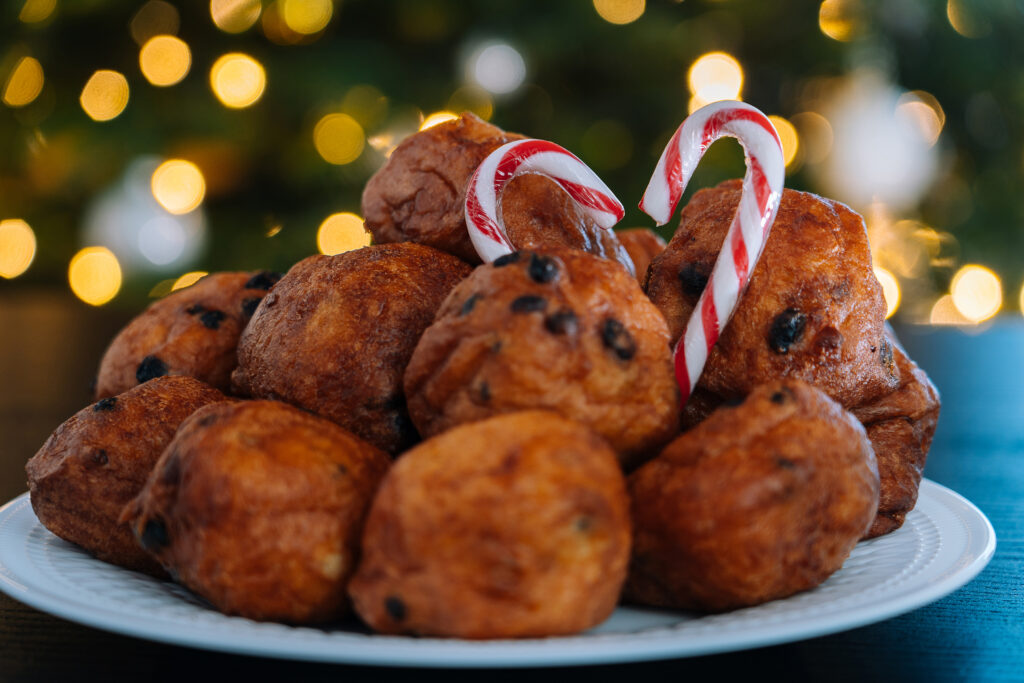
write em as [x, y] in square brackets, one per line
[762, 190]
[486, 227]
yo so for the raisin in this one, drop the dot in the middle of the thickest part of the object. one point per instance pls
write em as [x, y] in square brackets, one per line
[395, 607]
[212, 319]
[529, 303]
[694, 279]
[507, 259]
[785, 463]
[542, 269]
[562, 322]
[787, 328]
[617, 338]
[105, 404]
[250, 305]
[149, 368]
[195, 309]
[264, 280]
[469, 304]
[734, 401]
[100, 457]
[485, 391]
[154, 535]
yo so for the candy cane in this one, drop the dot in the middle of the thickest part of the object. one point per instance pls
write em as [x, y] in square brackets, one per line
[759, 202]
[486, 227]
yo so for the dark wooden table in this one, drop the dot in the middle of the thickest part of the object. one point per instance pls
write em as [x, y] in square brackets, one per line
[48, 350]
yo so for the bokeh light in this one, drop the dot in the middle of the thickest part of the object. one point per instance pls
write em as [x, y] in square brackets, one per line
[436, 118]
[235, 16]
[789, 137]
[306, 16]
[944, 312]
[34, 11]
[105, 95]
[966, 19]
[178, 185]
[165, 60]
[925, 112]
[1020, 302]
[977, 292]
[339, 139]
[341, 232]
[188, 279]
[620, 11]
[839, 19]
[498, 68]
[237, 80]
[473, 99]
[815, 133]
[17, 247]
[890, 289]
[24, 84]
[715, 76]
[95, 275]
[154, 18]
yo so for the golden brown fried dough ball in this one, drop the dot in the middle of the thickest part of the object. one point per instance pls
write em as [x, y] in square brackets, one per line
[758, 502]
[512, 527]
[900, 426]
[99, 459]
[336, 333]
[813, 310]
[193, 331]
[420, 193]
[642, 245]
[557, 329]
[258, 507]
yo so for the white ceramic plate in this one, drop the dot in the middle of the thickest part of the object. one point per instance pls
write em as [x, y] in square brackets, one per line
[945, 542]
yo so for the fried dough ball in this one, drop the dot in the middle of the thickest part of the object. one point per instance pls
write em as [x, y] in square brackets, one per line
[99, 459]
[900, 426]
[258, 507]
[336, 333]
[813, 309]
[642, 245]
[557, 329]
[517, 526]
[193, 331]
[758, 502]
[420, 193]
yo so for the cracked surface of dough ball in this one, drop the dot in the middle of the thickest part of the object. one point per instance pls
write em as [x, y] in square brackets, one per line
[99, 459]
[758, 502]
[420, 193]
[556, 329]
[336, 333]
[193, 331]
[813, 309]
[517, 526]
[258, 506]
[642, 245]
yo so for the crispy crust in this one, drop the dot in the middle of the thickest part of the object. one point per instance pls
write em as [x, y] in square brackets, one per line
[99, 459]
[516, 526]
[258, 507]
[758, 502]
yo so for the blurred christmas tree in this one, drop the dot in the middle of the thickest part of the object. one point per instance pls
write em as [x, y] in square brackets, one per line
[221, 135]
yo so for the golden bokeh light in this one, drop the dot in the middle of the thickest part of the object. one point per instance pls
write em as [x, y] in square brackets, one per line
[716, 76]
[366, 104]
[436, 118]
[178, 185]
[815, 136]
[188, 279]
[890, 289]
[306, 16]
[237, 80]
[944, 312]
[341, 232]
[95, 275]
[235, 16]
[620, 11]
[789, 137]
[165, 60]
[34, 11]
[17, 247]
[105, 95]
[1020, 302]
[339, 139]
[924, 112]
[154, 18]
[977, 292]
[473, 99]
[839, 19]
[965, 18]
[24, 84]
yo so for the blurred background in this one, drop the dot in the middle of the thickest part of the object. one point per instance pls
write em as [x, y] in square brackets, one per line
[144, 143]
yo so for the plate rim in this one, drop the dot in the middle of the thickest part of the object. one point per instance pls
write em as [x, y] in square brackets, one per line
[577, 650]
